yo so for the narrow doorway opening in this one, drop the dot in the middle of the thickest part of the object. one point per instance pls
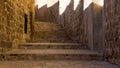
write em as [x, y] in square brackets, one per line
[25, 23]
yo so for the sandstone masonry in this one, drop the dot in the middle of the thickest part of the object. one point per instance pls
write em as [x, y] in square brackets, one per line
[72, 20]
[16, 18]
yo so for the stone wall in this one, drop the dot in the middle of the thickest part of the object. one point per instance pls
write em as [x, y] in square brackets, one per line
[84, 23]
[88, 22]
[112, 30]
[97, 27]
[48, 12]
[93, 24]
[53, 11]
[13, 15]
[40, 13]
[72, 20]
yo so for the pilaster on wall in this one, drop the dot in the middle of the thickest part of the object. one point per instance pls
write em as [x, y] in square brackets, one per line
[93, 24]
[88, 22]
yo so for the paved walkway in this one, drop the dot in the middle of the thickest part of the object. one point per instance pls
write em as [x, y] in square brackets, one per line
[56, 64]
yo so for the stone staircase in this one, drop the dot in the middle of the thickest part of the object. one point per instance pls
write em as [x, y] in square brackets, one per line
[49, 32]
[52, 51]
[63, 49]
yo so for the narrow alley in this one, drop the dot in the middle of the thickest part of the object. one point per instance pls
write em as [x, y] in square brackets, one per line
[59, 34]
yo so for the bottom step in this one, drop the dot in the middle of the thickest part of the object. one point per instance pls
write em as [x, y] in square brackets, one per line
[56, 64]
[47, 54]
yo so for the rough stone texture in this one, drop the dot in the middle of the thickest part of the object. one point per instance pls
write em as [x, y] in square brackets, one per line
[12, 19]
[97, 27]
[56, 64]
[88, 21]
[72, 20]
[40, 13]
[45, 30]
[85, 25]
[93, 25]
[112, 30]
[48, 13]
[81, 25]
[49, 32]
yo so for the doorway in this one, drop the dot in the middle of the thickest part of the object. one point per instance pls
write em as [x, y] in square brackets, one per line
[25, 23]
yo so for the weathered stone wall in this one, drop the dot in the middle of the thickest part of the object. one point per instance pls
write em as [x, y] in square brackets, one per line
[84, 24]
[93, 24]
[40, 13]
[53, 13]
[72, 20]
[48, 13]
[88, 23]
[112, 30]
[97, 27]
[12, 22]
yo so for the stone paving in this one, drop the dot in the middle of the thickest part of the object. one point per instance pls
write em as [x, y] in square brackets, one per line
[56, 64]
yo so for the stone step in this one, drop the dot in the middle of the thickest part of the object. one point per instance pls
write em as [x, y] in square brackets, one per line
[52, 46]
[52, 54]
[54, 40]
[52, 29]
[50, 35]
[47, 26]
[56, 64]
[53, 33]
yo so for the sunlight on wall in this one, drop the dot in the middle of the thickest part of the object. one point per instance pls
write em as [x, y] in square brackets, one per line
[76, 3]
[99, 2]
[87, 3]
[63, 5]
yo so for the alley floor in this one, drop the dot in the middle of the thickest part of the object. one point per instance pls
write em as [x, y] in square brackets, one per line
[56, 64]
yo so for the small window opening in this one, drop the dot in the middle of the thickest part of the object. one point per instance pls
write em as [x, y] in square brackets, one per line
[25, 23]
